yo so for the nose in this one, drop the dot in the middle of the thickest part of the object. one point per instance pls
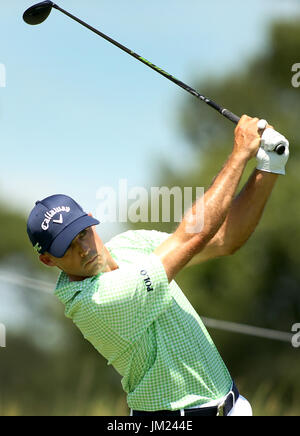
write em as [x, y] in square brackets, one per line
[84, 248]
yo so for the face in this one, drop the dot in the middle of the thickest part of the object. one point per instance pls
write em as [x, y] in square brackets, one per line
[85, 257]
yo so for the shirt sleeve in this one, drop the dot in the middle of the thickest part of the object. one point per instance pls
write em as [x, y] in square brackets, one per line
[129, 299]
[156, 238]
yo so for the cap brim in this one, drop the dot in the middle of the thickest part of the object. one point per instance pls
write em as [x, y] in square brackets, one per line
[62, 242]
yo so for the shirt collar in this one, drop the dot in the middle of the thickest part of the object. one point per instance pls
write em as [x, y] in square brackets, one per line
[65, 290]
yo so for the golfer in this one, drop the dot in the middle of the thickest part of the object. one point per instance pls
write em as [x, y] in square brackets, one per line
[123, 296]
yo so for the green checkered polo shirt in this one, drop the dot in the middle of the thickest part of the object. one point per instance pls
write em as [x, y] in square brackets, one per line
[146, 328]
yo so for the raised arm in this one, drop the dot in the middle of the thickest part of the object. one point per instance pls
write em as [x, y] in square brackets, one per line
[242, 219]
[183, 244]
[247, 208]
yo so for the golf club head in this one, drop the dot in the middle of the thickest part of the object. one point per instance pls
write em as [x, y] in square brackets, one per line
[38, 13]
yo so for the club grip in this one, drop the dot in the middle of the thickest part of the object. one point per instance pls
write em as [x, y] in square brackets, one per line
[231, 116]
[280, 149]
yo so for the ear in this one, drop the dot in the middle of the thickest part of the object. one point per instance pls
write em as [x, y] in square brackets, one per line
[46, 260]
[90, 214]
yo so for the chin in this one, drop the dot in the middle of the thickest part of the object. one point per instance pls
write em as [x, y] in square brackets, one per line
[97, 270]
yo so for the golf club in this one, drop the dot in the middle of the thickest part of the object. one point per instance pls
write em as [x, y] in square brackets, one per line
[38, 13]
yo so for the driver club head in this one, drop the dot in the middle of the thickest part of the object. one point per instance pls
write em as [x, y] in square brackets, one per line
[38, 13]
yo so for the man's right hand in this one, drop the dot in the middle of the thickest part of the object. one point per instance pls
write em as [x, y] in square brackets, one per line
[247, 138]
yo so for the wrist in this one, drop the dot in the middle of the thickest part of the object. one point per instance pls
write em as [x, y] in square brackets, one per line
[273, 171]
[266, 175]
[239, 158]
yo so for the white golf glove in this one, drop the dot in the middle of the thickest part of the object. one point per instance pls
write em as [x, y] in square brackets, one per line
[267, 159]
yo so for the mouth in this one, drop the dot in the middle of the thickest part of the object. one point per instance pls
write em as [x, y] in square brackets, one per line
[92, 260]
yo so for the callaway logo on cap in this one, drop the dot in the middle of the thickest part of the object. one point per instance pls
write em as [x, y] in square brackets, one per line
[54, 222]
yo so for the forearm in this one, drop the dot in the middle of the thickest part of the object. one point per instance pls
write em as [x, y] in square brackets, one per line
[246, 211]
[215, 205]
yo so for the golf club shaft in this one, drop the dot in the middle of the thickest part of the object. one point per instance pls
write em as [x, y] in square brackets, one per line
[280, 149]
[226, 113]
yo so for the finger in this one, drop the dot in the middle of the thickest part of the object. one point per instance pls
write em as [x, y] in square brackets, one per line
[247, 119]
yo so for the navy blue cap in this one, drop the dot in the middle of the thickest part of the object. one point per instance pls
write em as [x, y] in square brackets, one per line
[54, 222]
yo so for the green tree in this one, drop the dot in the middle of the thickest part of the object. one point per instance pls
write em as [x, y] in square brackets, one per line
[260, 284]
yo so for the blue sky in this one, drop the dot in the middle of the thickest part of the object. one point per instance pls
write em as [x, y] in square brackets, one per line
[77, 113]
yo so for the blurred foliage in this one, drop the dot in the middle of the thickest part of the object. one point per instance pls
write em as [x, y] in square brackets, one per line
[15, 246]
[13, 237]
[259, 285]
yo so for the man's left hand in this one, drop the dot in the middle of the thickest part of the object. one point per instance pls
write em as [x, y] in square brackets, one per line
[267, 159]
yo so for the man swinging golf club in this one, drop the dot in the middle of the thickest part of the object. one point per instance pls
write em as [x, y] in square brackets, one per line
[123, 296]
